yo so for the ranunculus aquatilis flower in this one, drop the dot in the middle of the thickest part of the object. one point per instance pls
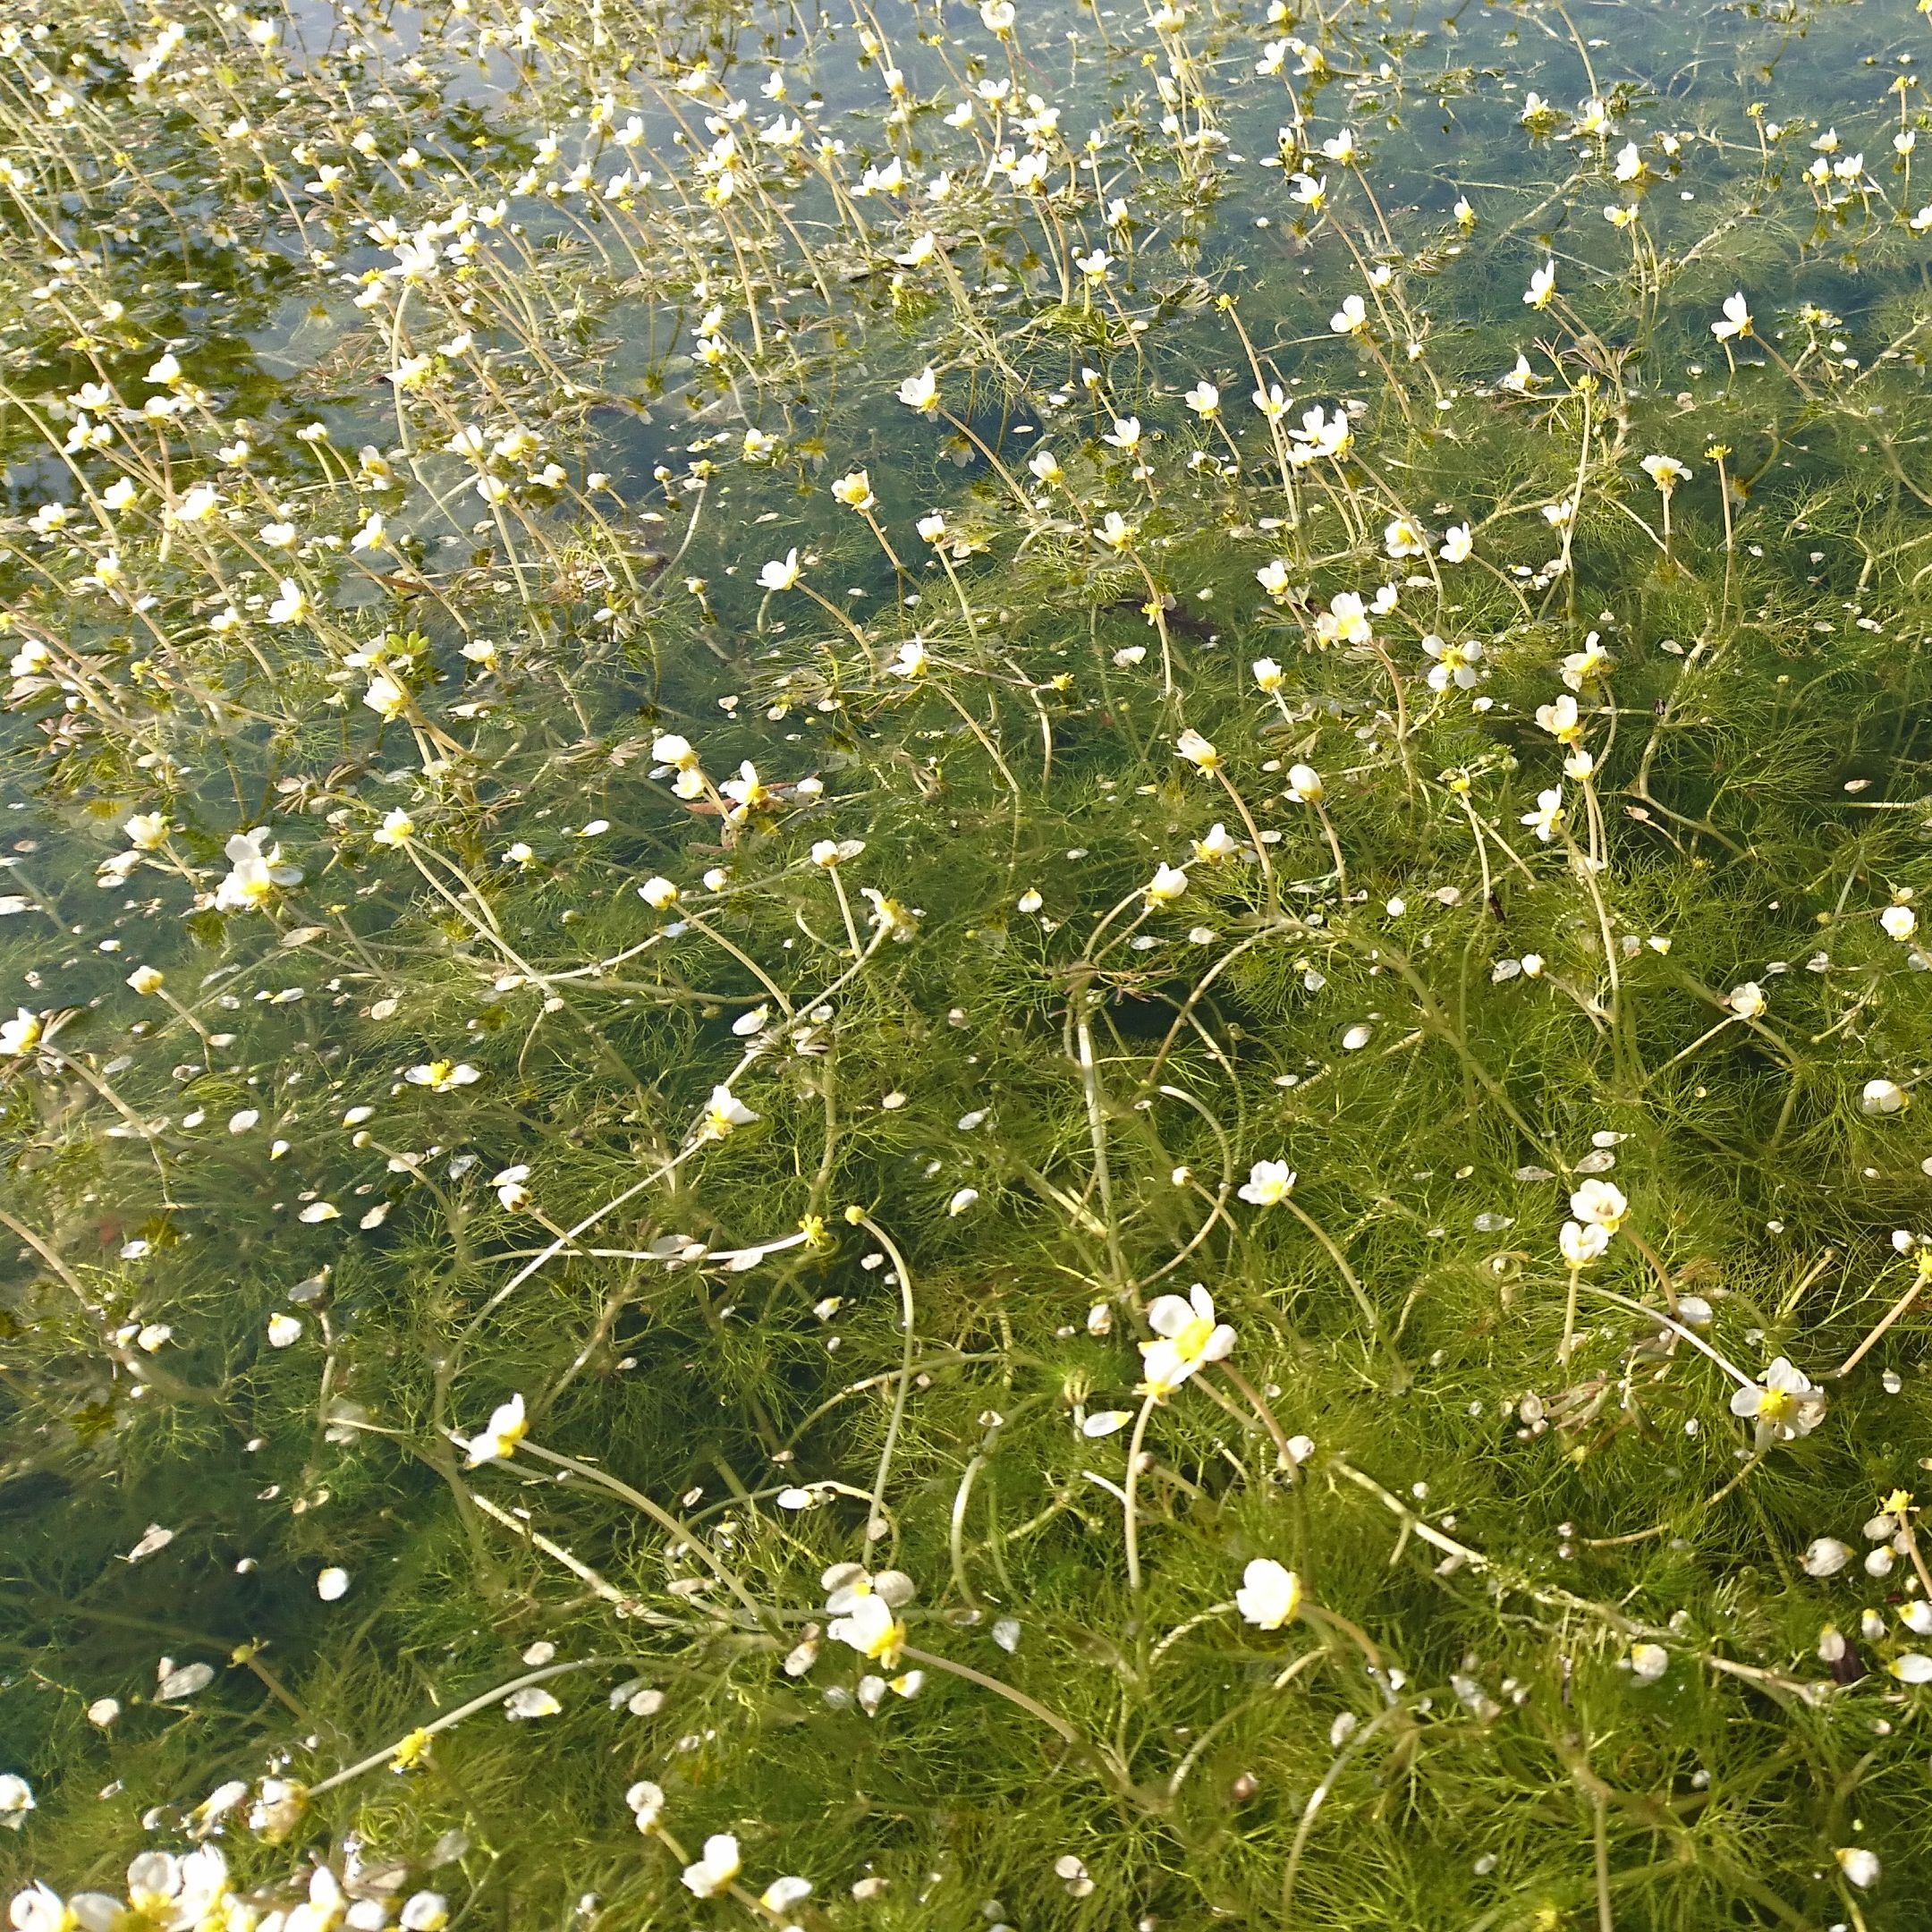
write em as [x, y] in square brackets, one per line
[1270, 1594]
[1787, 1403]
[1187, 1337]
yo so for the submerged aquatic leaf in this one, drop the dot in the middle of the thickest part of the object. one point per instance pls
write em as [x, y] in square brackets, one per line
[629, 630]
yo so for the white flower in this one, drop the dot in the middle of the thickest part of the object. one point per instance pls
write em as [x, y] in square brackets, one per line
[283, 1331]
[277, 1808]
[1403, 538]
[1204, 399]
[961, 1201]
[1878, 1097]
[854, 490]
[1665, 471]
[1456, 545]
[512, 1195]
[387, 696]
[1187, 1336]
[723, 1112]
[1305, 785]
[872, 1628]
[292, 607]
[504, 1430]
[1900, 922]
[920, 392]
[1542, 287]
[1268, 1184]
[1648, 1662]
[530, 1702]
[1859, 1866]
[1168, 882]
[440, 1075]
[187, 1890]
[1273, 404]
[646, 1802]
[1548, 816]
[16, 1800]
[1197, 751]
[197, 506]
[713, 1872]
[1344, 622]
[781, 575]
[657, 894]
[40, 1909]
[1351, 319]
[1270, 1594]
[1825, 1557]
[1560, 719]
[1601, 1202]
[1219, 843]
[1583, 1241]
[1456, 663]
[1787, 1404]
[21, 1034]
[912, 661]
[1746, 1001]
[1268, 675]
[332, 1584]
[1737, 319]
[889, 916]
[1593, 661]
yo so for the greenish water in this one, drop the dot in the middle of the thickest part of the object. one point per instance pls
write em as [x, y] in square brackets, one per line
[847, 802]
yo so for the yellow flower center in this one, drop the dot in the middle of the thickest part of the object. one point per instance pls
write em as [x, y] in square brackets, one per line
[1192, 1340]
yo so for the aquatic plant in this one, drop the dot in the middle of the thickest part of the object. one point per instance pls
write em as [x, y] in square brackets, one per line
[965, 966]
